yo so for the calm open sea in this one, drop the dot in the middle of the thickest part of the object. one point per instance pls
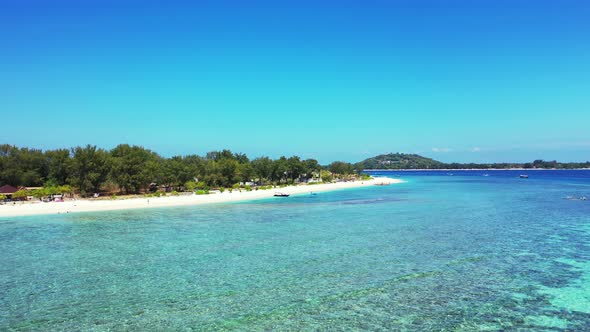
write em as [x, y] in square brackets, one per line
[458, 252]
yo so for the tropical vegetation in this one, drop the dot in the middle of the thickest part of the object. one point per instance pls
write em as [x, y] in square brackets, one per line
[130, 169]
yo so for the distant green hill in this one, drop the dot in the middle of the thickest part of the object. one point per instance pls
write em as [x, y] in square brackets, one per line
[399, 161]
[414, 161]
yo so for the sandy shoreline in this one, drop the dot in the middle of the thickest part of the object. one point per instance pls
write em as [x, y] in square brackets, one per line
[87, 205]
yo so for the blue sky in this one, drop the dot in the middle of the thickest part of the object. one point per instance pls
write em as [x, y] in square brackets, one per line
[336, 80]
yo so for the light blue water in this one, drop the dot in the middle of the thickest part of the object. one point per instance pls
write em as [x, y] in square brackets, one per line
[440, 252]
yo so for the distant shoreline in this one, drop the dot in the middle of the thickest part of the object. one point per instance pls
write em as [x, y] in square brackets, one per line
[89, 205]
[475, 169]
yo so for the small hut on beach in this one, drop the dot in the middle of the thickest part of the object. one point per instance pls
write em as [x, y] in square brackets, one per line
[8, 190]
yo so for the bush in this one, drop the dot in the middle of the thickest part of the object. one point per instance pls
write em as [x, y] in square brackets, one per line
[248, 188]
[365, 177]
[38, 193]
[49, 191]
[174, 193]
[20, 194]
[202, 192]
[66, 189]
[221, 189]
[230, 190]
[326, 176]
[190, 185]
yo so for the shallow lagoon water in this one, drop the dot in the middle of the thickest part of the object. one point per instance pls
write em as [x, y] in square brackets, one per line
[439, 252]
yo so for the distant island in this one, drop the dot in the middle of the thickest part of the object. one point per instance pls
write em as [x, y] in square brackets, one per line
[400, 161]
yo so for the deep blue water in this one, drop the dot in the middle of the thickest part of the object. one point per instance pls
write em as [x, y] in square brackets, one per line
[458, 252]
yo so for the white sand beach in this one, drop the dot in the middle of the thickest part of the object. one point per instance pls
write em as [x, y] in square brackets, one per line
[88, 205]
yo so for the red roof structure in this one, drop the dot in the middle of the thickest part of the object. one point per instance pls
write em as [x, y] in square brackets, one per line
[8, 189]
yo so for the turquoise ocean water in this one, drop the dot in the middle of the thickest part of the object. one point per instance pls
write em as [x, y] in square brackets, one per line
[458, 252]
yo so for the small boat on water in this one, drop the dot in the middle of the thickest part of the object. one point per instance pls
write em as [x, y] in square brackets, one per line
[281, 195]
[574, 198]
[486, 174]
[524, 176]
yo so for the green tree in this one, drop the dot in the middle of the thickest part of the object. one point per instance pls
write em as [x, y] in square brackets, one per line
[194, 167]
[241, 158]
[175, 172]
[25, 167]
[280, 169]
[295, 168]
[89, 168]
[228, 168]
[190, 185]
[245, 172]
[311, 165]
[21, 194]
[59, 163]
[66, 190]
[130, 167]
[262, 168]
[39, 193]
[326, 176]
[211, 174]
[341, 168]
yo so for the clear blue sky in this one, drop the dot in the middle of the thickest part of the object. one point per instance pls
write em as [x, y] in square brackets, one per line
[502, 80]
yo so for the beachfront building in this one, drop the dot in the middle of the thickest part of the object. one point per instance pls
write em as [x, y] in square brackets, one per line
[8, 190]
